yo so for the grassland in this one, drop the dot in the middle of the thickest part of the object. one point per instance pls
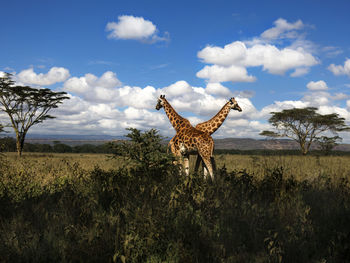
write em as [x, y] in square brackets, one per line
[94, 208]
[299, 167]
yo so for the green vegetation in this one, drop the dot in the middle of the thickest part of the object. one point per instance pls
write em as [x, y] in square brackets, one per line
[328, 143]
[9, 145]
[138, 208]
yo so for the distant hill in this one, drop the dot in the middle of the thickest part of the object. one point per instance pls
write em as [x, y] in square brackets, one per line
[275, 144]
[71, 140]
[227, 143]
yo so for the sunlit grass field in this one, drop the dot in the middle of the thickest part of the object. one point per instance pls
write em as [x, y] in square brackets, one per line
[47, 165]
[95, 208]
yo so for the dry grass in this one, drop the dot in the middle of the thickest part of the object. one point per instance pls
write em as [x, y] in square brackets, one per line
[46, 167]
[300, 167]
[52, 165]
[57, 207]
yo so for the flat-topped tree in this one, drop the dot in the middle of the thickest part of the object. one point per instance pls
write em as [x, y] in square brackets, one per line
[26, 106]
[304, 125]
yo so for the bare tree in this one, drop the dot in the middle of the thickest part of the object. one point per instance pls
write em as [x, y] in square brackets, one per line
[26, 106]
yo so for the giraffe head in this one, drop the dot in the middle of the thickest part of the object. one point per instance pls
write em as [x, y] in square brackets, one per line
[160, 102]
[234, 105]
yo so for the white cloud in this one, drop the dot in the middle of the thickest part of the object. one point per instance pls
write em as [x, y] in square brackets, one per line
[318, 85]
[92, 88]
[218, 73]
[332, 51]
[282, 29]
[317, 99]
[340, 96]
[217, 89]
[136, 28]
[230, 62]
[234, 53]
[134, 107]
[278, 61]
[136, 97]
[328, 109]
[178, 88]
[55, 74]
[339, 69]
[300, 72]
[348, 104]
[279, 106]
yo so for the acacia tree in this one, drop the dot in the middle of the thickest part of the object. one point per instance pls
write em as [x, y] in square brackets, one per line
[304, 125]
[328, 143]
[26, 106]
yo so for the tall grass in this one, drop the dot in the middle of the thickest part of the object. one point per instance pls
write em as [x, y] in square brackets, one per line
[89, 208]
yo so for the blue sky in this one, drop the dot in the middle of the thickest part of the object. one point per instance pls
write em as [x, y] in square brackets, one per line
[115, 58]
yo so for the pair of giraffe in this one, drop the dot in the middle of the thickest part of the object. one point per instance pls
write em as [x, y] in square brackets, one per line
[191, 140]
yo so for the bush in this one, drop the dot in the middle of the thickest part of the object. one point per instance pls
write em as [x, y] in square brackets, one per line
[151, 213]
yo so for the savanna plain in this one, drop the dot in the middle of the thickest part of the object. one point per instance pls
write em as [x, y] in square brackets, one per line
[139, 207]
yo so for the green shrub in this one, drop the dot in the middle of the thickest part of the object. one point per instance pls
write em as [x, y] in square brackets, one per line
[151, 213]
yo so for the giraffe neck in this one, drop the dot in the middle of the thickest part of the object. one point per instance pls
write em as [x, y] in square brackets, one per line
[214, 123]
[175, 119]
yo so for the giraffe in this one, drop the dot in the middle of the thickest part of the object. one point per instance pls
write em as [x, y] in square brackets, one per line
[211, 125]
[188, 140]
[214, 123]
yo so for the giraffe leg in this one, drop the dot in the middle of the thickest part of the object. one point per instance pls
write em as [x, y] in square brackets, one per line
[212, 159]
[198, 162]
[174, 151]
[187, 164]
[207, 165]
[205, 171]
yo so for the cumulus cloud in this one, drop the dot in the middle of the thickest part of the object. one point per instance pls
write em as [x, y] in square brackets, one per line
[318, 85]
[178, 88]
[136, 28]
[230, 62]
[282, 29]
[55, 74]
[272, 59]
[277, 106]
[108, 104]
[300, 72]
[137, 97]
[339, 69]
[217, 89]
[92, 88]
[218, 73]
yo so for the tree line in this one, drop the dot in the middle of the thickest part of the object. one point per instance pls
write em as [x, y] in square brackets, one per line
[8, 144]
